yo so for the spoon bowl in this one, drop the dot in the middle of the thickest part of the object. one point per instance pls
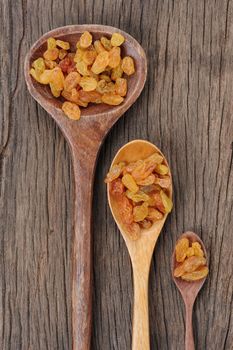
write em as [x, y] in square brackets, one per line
[85, 137]
[188, 290]
[140, 250]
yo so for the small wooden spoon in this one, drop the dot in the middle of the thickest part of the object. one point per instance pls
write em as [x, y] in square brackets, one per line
[141, 250]
[85, 138]
[188, 290]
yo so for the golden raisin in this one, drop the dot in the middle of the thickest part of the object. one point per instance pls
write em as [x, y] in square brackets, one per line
[39, 65]
[130, 183]
[62, 54]
[90, 96]
[161, 169]
[51, 54]
[197, 249]
[167, 202]
[181, 249]
[82, 68]
[117, 39]
[88, 83]
[137, 197]
[117, 72]
[72, 96]
[106, 43]
[100, 62]
[121, 86]
[189, 265]
[85, 40]
[111, 99]
[140, 212]
[71, 110]
[149, 180]
[54, 90]
[71, 81]
[196, 275]
[89, 56]
[114, 57]
[154, 214]
[128, 65]
[114, 172]
[51, 43]
[189, 252]
[63, 44]
[98, 46]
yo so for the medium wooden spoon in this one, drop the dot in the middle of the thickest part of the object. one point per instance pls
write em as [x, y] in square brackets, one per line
[85, 138]
[141, 250]
[188, 290]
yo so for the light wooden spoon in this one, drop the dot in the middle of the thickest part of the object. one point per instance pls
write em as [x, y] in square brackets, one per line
[188, 290]
[85, 138]
[141, 250]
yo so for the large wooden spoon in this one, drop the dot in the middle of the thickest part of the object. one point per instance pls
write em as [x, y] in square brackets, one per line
[188, 290]
[85, 138]
[141, 250]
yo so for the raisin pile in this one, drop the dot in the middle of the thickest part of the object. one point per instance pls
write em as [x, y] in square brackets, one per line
[95, 73]
[192, 263]
[141, 191]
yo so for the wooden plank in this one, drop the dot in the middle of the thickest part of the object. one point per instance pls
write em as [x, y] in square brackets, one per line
[186, 110]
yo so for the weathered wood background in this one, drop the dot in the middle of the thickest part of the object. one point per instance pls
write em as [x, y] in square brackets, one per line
[186, 109]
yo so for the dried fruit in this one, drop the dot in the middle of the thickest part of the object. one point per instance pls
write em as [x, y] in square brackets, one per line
[82, 68]
[117, 72]
[85, 40]
[130, 183]
[181, 249]
[114, 57]
[137, 197]
[190, 252]
[189, 265]
[71, 81]
[63, 44]
[121, 86]
[51, 43]
[88, 83]
[98, 46]
[89, 56]
[147, 203]
[161, 169]
[140, 212]
[128, 65]
[106, 43]
[154, 214]
[96, 69]
[164, 182]
[39, 65]
[62, 54]
[116, 187]
[71, 110]
[197, 249]
[117, 39]
[51, 54]
[90, 96]
[72, 96]
[111, 99]
[100, 62]
[167, 202]
[114, 172]
[125, 209]
[196, 275]
[149, 180]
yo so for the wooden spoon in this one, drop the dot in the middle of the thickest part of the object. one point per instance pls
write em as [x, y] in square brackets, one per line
[141, 250]
[85, 138]
[188, 290]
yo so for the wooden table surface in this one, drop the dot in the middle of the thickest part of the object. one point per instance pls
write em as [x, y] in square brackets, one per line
[186, 110]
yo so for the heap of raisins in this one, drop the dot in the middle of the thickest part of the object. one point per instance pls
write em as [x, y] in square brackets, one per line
[93, 74]
[191, 261]
[141, 191]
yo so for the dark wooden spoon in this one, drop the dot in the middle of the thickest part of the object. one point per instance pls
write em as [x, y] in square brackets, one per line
[85, 138]
[188, 290]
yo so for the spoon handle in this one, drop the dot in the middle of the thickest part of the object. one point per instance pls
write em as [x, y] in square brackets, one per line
[82, 254]
[141, 337]
[189, 341]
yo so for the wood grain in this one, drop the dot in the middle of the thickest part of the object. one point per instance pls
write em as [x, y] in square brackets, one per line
[186, 110]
